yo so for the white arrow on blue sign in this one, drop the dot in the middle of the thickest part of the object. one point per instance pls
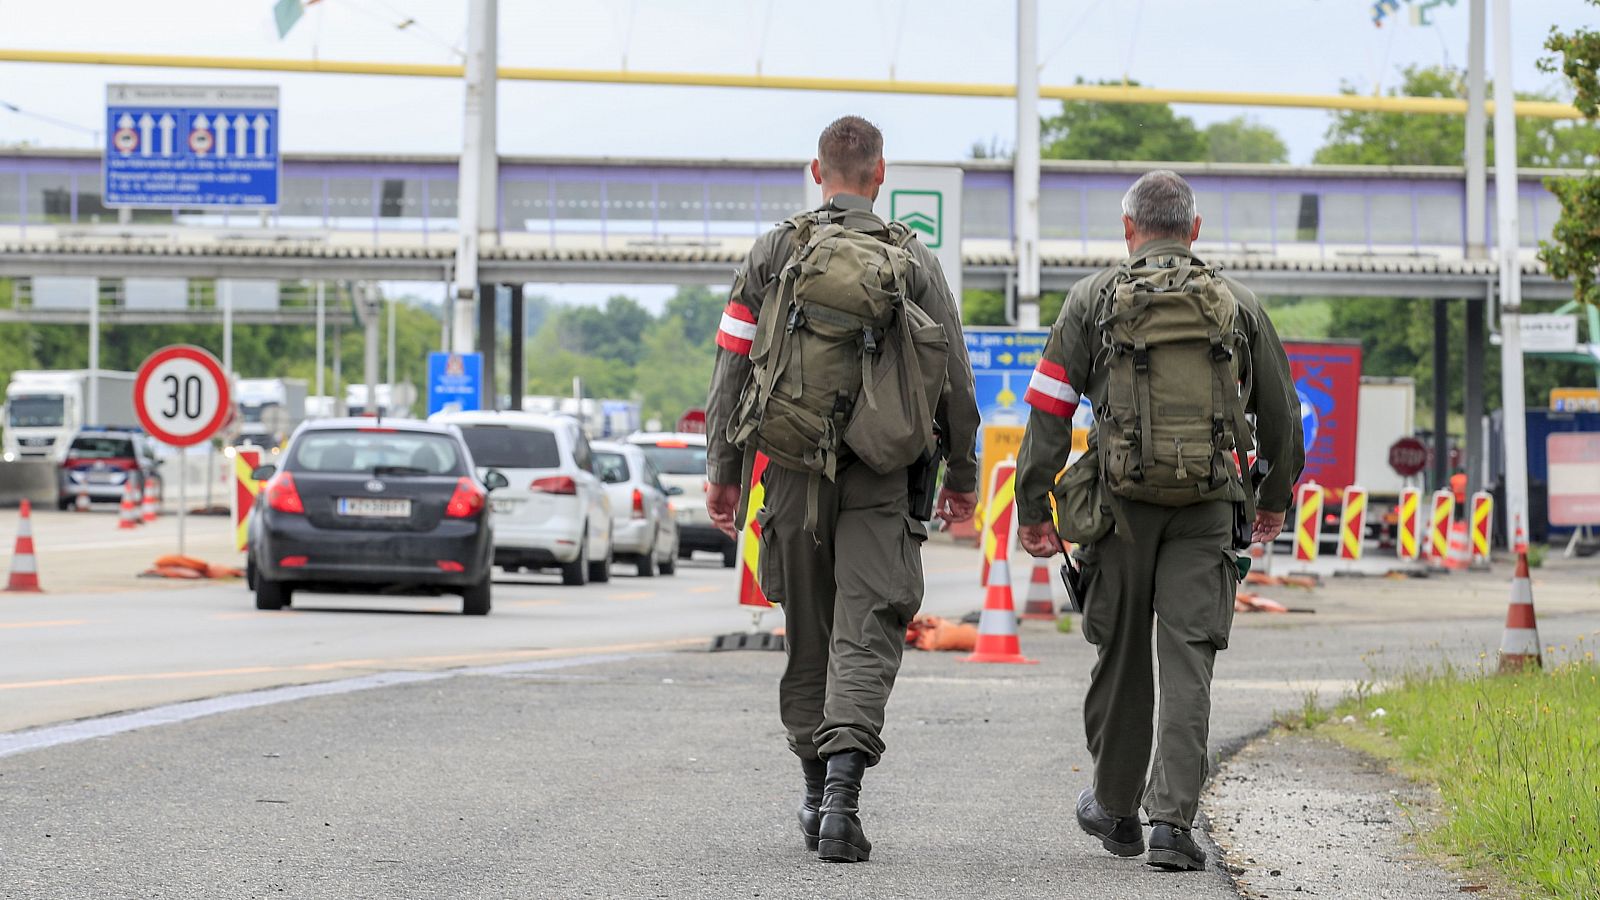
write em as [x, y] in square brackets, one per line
[191, 146]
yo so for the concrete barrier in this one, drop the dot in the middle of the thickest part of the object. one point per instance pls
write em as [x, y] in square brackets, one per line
[34, 480]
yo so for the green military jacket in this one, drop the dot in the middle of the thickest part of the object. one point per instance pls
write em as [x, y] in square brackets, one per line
[755, 281]
[1067, 372]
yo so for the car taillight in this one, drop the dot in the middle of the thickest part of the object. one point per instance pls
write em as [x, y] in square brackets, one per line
[294, 562]
[467, 501]
[638, 503]
[558, 484]
[450, 565]
[283, 496]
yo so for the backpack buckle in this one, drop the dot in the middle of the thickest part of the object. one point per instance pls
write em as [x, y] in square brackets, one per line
[794, 320]
[870, 340]
[1141, 360]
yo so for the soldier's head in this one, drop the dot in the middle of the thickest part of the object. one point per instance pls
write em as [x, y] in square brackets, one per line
[1159, 206]
[849, 158]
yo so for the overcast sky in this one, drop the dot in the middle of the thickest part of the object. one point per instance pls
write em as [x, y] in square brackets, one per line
[1307, 46]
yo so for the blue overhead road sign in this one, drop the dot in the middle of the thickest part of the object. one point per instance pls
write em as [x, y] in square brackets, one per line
[454, 382]
[191, 146]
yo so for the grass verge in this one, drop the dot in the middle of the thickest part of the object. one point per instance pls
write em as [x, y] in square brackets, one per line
[1516, 759]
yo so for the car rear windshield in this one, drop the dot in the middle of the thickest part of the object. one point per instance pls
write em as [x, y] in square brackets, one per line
[677, 460]
[499, 447]
[611, 467]
[101, 448]
[398, 452]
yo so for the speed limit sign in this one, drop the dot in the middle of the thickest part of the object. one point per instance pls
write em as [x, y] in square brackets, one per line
[182, 395]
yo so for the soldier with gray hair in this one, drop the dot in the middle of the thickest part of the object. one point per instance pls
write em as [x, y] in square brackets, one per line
[1188, 382]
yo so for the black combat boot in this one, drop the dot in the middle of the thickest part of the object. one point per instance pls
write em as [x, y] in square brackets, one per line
[1123, 836]
[1172, 848]
[816, 775]
[840, 838]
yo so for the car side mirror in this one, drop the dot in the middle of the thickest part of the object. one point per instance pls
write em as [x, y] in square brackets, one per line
[262, 473]
[494, 480]
[674, 491]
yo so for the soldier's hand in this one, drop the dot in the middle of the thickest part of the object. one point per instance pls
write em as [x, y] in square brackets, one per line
[955, 506]
[1267, 526]
[1040, 540]
[722, 502]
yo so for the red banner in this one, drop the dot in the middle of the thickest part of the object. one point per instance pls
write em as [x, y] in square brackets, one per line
[1327, 376]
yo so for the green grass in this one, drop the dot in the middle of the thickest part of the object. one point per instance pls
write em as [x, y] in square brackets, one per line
[1516, 759]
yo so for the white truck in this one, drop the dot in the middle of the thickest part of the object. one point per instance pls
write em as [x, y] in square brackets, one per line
[45, 410]
[601, 419]
[394, 400]
[269, 409]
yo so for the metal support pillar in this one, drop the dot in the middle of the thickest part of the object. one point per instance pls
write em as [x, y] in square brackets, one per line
[391, 308]
[479, 173]
[1441, 393]
[1477, 347]
[487, 295]
[92, 412]
[517, 377]
[1477, 138]
[371, 300]
[1512, 384]
[322, 323]
[1025, 200]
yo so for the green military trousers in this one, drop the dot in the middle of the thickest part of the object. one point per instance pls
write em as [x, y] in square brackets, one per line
[1174, 571]
[848, 592]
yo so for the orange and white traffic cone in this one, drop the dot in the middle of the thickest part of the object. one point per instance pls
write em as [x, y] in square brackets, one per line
[130, 510]
[152, 500]
[1040, 604]
[81, 504]
[1519, 644]
[24, 565]
[997, 626]
[1460, 556]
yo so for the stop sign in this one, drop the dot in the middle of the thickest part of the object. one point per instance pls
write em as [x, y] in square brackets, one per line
[1408, 456]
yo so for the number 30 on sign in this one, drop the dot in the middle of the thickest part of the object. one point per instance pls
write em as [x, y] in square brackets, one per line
[182, 395]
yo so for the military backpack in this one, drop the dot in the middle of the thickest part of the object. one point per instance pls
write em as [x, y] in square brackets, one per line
[841, 357]
[1175, 366]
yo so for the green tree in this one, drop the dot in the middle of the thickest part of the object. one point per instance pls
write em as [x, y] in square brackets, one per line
[613, 333]
[1120, 131]
[1243, 140]
[1573, 251]
[674, 371]
[1399, 139]
[700, 311]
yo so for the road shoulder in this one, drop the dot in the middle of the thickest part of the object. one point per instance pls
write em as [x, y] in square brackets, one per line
[1299, 814]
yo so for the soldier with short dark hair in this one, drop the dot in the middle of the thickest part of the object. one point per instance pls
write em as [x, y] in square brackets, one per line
[827, 312]
[1176, 360]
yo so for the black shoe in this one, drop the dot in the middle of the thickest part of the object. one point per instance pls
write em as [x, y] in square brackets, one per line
[1122, 836]
[816, 775]
[839, 838]
[1172, 848]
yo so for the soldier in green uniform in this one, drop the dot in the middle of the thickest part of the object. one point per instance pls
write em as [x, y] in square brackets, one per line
[842, 554]
[1167, 565]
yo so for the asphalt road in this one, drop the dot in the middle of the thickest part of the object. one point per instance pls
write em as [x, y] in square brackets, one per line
[583, 751]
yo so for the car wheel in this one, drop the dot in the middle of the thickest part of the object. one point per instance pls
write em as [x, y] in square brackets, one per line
[730, 556]
[647, 563]
[250, 572]
[272, 594]
[600, 570]
[576, 573]
[475, 599]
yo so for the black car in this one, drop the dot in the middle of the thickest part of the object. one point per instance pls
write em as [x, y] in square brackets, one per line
[369, 505]
[102, 462]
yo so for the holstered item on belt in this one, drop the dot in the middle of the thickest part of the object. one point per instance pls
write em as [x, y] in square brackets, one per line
[923, 481]
[1244, 511]
[1073, 579]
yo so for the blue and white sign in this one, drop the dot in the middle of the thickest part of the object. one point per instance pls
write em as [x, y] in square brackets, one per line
[191, 146]
[455, 382]
[1003, 359]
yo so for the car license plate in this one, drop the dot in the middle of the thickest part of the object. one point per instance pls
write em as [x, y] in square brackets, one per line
[374, 508]
[99, 477]
[502, 507]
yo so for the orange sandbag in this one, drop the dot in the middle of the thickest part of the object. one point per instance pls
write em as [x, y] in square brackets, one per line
[216, 571]
[1245, 602]
[935, 633]
[186, 562]
[174, 572]
[1262, 578]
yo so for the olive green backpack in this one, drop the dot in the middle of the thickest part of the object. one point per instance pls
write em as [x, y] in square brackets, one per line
[841, 358]
[1175, 370]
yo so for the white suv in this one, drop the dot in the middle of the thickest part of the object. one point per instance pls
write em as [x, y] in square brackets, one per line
[680, 457]
[556, 513]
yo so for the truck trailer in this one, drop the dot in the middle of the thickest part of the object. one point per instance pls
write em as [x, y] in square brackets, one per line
[45, 410]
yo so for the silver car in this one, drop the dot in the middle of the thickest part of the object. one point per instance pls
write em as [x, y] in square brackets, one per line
[644, 525]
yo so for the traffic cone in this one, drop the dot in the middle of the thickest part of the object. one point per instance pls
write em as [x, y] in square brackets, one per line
[152, 500]
[1459, 557]
[82, 503]
[1519, 644]
[24, 566]
[1040, 604]
[997, 627]
[130, 510]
